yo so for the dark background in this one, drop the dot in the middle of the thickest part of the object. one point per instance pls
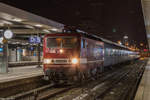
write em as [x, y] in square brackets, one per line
[111, 19]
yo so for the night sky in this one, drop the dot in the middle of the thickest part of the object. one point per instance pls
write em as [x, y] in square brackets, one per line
[111, 19]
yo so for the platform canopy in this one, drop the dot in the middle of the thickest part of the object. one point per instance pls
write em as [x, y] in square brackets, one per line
[146, 13]
[23, 22]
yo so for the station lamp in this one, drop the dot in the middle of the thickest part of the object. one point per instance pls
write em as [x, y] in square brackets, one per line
[38, 25]
[17, 19]
[47, 31]
[54, 29]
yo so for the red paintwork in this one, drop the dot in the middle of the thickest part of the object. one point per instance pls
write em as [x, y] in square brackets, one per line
[92, 53]
[67, 52]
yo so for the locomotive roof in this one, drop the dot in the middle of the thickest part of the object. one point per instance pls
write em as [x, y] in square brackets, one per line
[104, 40]
[89, 36]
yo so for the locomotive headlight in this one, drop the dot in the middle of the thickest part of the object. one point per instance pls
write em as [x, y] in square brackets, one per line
[74, 61]
[47, 61]
[61, 50]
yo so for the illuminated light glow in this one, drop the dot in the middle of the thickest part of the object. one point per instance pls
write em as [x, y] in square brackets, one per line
[125, 37]
[1, 40]
[17, 20]
[28, 26]
[61, 50]
[141, 44]
[17, 42]
[47, 61]
[148, 35]
[45, 30]
[38, 25]
[113, 50]
[74, 60]
[24, 53]
[1, 49]
[145, 50]
[119, 42]
[54, 29]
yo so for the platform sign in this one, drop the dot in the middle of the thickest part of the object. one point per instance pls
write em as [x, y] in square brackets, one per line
[31, 39]
[35, 39]
[38, 39]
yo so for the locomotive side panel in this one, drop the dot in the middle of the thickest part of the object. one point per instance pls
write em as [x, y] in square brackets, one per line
[93, 52]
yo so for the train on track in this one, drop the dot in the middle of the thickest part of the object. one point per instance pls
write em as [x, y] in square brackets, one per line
[77, 56]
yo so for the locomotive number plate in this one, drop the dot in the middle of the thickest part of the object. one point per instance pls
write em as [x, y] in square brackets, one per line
[60, 61]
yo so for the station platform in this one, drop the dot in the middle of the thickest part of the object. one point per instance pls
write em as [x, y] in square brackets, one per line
[143, 91]
[22, 72]
[22, 63]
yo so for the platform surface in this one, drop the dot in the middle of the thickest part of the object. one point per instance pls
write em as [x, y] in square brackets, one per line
[143, 92]
[16, 73]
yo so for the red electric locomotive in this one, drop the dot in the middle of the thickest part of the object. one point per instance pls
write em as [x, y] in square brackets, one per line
[72, 56]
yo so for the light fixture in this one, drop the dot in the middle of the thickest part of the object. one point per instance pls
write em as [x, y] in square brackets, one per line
[17, 19]
[28, 26]
[38, 25]
[47, 31]
[26, 43]
[54, 29]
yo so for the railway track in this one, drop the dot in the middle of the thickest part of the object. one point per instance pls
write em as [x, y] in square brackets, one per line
[49, 91]
[42, 93]
[89, 90]
[103, 91]
[129, 90]
[103, 87]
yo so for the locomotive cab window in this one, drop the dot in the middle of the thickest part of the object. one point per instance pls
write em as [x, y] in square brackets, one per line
[83, 43]
[53, 42]
[62, 42]
[69, 42]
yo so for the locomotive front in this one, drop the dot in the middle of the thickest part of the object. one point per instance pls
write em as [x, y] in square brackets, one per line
[61, 55]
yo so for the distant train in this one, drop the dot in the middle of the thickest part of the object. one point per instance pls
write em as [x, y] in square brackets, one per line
[76, 56]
